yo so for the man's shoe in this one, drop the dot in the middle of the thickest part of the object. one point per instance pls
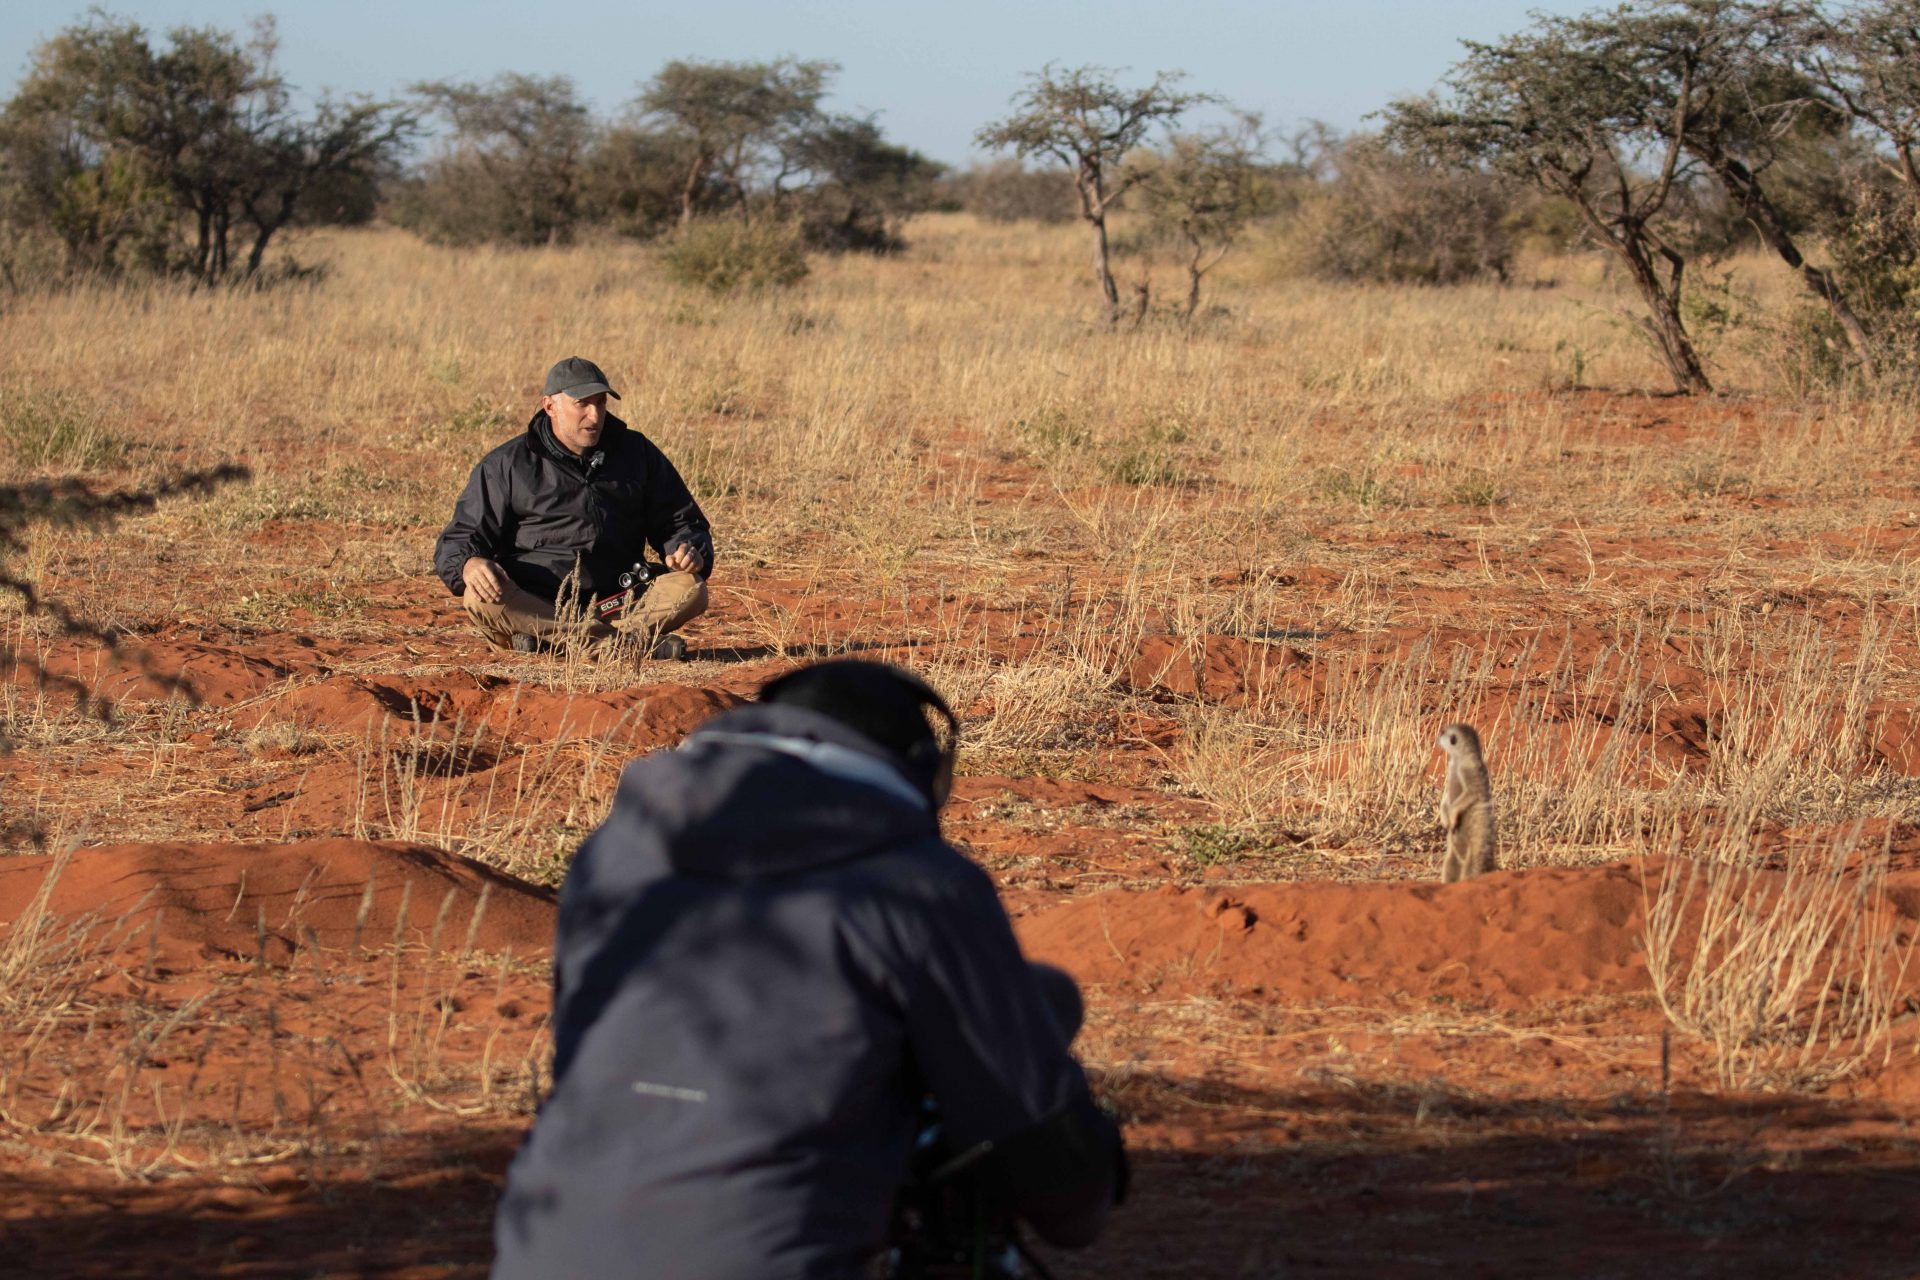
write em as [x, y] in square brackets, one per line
[668, 648]
[524, 643]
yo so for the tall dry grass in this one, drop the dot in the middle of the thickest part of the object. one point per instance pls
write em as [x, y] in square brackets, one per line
[1794, 974]
[946, 455]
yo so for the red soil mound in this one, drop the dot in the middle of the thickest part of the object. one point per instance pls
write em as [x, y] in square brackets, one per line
[219, 675]
[640, 716]
[281, 679]
[1509, 939]
[210, 899]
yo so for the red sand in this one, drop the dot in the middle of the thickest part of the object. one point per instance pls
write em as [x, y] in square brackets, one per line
[1510, 939]
[1324, 1152]
[219, 900]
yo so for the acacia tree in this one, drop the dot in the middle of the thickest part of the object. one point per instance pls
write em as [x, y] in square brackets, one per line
[206, 119]
[103, 211]
[730, 117]
[862, 186]
[1537, 107]
[1203, 190]
[1716, 78]
[290, 158]
[1090, 124]
[1868, 61]
[513, 168]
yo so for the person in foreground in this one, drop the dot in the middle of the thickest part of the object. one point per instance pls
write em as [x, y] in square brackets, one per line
[569, 506]
[767, 963]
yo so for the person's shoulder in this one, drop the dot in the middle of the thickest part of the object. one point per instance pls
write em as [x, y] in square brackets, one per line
[509, 452]
[932, 869]
[513, 447]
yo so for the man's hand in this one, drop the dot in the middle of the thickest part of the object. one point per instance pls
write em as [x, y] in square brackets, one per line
[483, 579]
[682, 559]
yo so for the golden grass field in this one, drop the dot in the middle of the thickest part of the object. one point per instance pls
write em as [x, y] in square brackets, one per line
[1203, 595]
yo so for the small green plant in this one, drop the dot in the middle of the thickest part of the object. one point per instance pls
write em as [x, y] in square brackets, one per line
[1478, 489]
[1210, 845]
[722, 255]
[1709, 479]
[1569, 366]
[1717, 310]
[57, 430]
[1053, 431]
[479, 418]
[1146, 456]
[1358, 485]
[1138, 466]
[271, 605]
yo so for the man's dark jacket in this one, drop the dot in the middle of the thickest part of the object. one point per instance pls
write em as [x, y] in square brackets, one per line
[764, 962]
[533, 507]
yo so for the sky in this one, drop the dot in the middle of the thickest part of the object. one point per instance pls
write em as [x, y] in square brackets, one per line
[932, 72]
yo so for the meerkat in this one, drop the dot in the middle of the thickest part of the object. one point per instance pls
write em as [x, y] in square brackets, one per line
[1466, 806]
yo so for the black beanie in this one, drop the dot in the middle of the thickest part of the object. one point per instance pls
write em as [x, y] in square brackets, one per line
[880, 701]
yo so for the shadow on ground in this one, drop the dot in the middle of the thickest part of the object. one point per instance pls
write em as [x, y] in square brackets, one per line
[1337, 1179]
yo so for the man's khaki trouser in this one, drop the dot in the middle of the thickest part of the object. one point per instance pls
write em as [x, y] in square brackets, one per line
[672, 601]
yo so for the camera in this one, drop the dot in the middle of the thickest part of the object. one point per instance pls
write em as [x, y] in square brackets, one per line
[631, 585]
[947, 1224]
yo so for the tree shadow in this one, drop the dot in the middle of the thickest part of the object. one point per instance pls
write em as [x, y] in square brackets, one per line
[421, 1206]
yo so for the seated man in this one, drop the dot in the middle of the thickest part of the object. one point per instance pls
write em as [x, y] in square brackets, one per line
[768, 965]
[574, 502]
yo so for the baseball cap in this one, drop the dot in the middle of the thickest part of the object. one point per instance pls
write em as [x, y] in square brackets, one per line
[578, 377]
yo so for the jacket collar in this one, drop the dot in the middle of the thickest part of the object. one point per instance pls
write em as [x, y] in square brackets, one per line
[540, 431]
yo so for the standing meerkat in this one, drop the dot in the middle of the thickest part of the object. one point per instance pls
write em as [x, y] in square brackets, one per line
[1466, 806]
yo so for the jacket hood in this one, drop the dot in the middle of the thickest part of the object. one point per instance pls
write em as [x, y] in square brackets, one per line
[765, 791]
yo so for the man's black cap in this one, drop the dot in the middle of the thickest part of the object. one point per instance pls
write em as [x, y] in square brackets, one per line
[578, 377]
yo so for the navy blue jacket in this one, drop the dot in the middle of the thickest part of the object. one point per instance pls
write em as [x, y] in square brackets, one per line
[534, 508]
[766, 958]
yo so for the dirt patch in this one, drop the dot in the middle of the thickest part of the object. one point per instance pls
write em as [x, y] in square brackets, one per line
[1223, 669]
[267, 901]
[1509, 939]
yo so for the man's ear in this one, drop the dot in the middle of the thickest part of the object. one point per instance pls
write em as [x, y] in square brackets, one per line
[546, 405]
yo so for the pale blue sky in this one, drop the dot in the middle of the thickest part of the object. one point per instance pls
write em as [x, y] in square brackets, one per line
[933, 71]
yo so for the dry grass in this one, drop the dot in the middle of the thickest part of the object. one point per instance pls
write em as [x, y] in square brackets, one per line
[1793, 975]
[249, 1064]
[949, 424]
[520, 808]
[1654, 610]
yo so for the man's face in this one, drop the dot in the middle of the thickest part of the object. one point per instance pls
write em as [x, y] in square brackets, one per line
[577, 423]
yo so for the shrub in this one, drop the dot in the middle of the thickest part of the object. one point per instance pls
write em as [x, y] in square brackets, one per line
[1875, 249]
[1387, 218]
[1146, 455]
[722, 255]
[1008, 191]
